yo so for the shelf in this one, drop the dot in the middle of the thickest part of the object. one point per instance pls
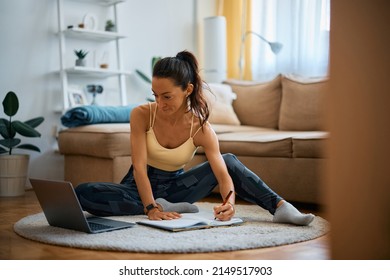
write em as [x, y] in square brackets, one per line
[96, 37]
[95, 72]
[86, 34]
[103, 2]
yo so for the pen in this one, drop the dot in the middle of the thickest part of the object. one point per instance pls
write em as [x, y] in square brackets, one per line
[226, 200]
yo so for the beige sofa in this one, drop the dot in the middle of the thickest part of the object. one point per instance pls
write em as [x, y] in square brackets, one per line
[275, 128]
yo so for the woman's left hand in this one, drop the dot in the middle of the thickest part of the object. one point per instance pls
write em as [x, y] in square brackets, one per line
[156, 214]
[224, 212]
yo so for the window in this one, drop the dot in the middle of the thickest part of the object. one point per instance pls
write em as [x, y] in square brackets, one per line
[302, 26]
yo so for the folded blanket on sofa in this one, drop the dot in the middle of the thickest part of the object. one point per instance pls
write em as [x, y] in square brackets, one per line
[93, 114]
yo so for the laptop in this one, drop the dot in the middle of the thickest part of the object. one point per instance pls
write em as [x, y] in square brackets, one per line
[62, 208]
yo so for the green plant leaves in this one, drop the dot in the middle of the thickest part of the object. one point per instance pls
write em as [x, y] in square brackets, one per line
[9, 128]
[6, 129]
[155, 59]
[10, 143]
[80, 53]
[35, 121]
[143, 76]
[3, 128]
[24, 129]
[11, 104]
[13, 144]
[29, 147]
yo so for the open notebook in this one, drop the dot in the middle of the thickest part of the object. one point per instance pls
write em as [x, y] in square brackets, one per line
[190, 221]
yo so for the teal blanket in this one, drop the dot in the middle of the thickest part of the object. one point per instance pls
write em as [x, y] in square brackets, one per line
[93, 114]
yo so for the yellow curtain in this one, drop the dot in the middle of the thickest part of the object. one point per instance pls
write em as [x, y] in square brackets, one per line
[238, 21]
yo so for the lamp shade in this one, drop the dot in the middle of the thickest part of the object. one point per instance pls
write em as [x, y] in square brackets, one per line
[215, 49]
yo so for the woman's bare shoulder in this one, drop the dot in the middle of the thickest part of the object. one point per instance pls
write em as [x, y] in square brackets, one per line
[142, 108]
[204, 133]
[141, 114]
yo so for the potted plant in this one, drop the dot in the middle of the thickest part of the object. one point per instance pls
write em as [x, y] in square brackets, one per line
[145, 77]
[14, 167]
[110, 25]
[81, 54]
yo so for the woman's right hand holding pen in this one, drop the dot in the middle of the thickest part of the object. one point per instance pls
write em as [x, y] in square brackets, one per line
[225, 211]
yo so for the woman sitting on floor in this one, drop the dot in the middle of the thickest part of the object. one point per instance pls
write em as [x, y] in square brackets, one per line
[164, 137]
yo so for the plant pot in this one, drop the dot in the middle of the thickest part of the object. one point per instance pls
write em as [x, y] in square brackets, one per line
[13, 174]
[80, 62]
[110, 29]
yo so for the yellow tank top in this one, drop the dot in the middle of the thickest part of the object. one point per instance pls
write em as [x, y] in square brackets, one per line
[164, 158]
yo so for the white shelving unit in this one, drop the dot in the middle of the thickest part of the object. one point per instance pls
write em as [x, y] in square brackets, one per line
[100, 37]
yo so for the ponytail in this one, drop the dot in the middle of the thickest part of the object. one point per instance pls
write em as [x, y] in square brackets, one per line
[183, 70]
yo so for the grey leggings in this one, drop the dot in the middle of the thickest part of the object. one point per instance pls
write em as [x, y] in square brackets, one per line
[109, 199]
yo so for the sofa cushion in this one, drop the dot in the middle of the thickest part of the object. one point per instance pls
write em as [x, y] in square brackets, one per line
[257, 104]
[253, 141]
[98, 140]
[255, 144]
[224, 128]
[302, 105]
[220, 101]
[311, 144]
[264, 142]
[288, 144]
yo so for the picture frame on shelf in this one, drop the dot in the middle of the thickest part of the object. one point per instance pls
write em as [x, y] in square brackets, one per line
[90, 22]
[76, 97]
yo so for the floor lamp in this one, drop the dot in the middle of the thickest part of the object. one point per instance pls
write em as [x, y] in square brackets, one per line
[275, 48]
[215, 49]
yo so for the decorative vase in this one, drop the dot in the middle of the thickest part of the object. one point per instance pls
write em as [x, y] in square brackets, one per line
[80, 62]
[13, 174]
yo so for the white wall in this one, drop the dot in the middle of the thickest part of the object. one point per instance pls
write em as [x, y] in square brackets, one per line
[29, 57]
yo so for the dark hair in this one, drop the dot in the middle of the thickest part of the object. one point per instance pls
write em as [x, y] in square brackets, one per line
[183, 70]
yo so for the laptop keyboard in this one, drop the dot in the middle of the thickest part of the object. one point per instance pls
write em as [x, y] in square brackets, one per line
[95, 226]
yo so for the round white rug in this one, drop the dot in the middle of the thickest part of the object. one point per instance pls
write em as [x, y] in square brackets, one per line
[257, 231]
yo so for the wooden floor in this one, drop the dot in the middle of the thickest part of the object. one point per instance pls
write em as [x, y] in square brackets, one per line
[14, 247]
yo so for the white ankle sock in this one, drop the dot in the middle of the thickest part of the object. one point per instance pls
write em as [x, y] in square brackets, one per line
[179, 207]
[287, 213]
